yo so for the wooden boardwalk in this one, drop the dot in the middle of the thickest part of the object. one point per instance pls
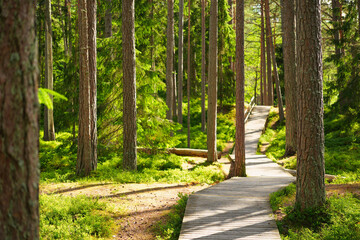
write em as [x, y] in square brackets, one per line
[239, 208]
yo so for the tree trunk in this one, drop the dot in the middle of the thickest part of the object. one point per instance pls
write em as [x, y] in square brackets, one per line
[188, 78]
[108, 20]
[49, 129]
[174, 94]
[84, 163]
[273, 60]
[91, 13]
[170, 60]
[263, 58]
[288, 25]
[181, 61]
[203, 66]
[212, 78]
[129, 69]
[310, 187]
[152, 40]
[358, 5]
[239, 166]
[270, 91]
[19, 129]
[335, 4]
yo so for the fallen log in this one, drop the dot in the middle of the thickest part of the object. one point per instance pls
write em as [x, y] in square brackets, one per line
[180, 151]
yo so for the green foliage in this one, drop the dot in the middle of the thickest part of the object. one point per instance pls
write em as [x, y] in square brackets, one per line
[278, 198]
[339, 219]
[170, 230]
[63, 217]
[44, 97]
[58, 163]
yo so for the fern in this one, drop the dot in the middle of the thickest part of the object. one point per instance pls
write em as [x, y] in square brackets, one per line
[44, 97]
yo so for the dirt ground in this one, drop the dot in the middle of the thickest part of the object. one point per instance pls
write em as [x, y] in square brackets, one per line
[144, 204]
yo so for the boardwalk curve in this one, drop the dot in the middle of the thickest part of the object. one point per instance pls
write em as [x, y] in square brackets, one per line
[239, 208]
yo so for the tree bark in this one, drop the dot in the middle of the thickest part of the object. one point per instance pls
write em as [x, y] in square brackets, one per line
[239, 166]
[129, 71]
[108, 20]
[188, 78]
[212, 85]
[263, 58]
[19, 128]
[49, 129]
[84, 163]
[203, 66]
[335, 4]
[170, 60]
[310, 187]
[288, 25]
[358, 6]
[91, 13]
[270, 91]
[273, 60]
[181, 61]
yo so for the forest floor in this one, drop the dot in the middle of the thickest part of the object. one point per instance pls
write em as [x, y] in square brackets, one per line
[143, 205]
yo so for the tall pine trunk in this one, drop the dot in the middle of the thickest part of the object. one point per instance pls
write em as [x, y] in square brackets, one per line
[129, 72]
[91, 13]
[270, 92]
[203, 66]
[170, 61]
[273, 60]
[288, 26]
[108, 19]
[310, 186]
[49, 129]
[19, 129]
[212, 82]
[181, 61]
[239, 165]
[263, 57]
[188, 78]
[84, 164]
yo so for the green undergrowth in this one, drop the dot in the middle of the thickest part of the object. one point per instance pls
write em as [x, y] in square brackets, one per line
[338, 220]
[170, 229]
[58, 164]
[225, 128]
[80, 217]
[342, 146]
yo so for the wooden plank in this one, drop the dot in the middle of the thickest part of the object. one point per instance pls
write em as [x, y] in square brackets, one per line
[238, 208]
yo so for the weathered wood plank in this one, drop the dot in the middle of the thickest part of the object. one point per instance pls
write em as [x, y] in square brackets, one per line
[238, 208]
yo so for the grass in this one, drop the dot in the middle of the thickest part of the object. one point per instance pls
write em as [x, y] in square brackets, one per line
[81, 217]
[342, 146]
[170, 230]
[339, 219]
[58, 164]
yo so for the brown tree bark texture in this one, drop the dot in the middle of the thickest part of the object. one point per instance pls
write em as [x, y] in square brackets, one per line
[170, 60]
[270, 91]
[19, 129]
[273, 60]
[288, 25]
[203, 66]
[108, 20]
[335, 4]
[129, 72]
[212, 84]
[263, 58]
[358, 5]
[239, 166]
[188, 76]
[181, 61]
[83, 166]
[91, 13]
[310, 187]
[49, 129]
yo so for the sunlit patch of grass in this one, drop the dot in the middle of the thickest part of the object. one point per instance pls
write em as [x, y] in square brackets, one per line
[81, 217]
